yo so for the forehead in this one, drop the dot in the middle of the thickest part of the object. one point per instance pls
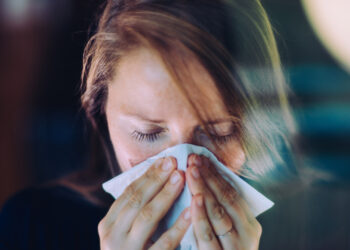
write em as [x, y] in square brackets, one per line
[142, 81]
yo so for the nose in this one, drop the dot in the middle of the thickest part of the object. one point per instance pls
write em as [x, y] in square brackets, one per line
[181, 138]
[193, 136]
[184, 137]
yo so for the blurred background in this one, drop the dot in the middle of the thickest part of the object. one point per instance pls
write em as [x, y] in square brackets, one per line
[43, 136]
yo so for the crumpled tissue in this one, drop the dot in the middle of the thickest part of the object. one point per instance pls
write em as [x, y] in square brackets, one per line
[255, 200]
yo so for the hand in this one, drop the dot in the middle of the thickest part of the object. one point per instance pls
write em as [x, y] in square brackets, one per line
[221, 218]
[134, 216]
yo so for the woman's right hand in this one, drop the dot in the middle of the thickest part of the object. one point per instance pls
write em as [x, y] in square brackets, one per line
[134, 216]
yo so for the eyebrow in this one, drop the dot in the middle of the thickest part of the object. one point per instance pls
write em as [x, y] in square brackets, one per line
[210, 122]
[142, 117]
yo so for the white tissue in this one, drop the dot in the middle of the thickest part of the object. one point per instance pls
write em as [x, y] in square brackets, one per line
[255, 200]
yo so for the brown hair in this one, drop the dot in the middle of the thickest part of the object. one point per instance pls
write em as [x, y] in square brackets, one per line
[232, 39]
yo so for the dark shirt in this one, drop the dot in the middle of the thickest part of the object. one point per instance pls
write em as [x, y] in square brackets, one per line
[53, 218]
[49, 218]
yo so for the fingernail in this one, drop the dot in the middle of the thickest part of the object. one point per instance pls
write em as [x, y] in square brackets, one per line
[167, 164]
[197, 160]
[187, 215]
[189, 159]
[200, 201]
[195, 172]
[175, 177]
[158, 162]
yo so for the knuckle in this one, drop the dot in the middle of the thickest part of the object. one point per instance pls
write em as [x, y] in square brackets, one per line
[254, 230]
[149, 173]
[179, 227]
[135, 200]
[105, 245]
[258, 228]
[146, 213]
[154, 176]
[166, 242]
[206, 234]
[157, 179]
[130, 190]
[229, 195]
[167, 192]
[105, 239]
[218, 212]
[157, 163]
[101, 227]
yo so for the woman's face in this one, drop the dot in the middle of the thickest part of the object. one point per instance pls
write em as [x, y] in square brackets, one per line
[146, 113]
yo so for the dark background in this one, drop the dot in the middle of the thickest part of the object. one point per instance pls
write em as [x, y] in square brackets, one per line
[43, 136]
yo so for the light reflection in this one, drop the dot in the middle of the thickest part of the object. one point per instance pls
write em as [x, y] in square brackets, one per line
[330, 20]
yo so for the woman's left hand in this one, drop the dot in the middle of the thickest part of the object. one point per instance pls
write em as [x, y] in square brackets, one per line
[221, 218]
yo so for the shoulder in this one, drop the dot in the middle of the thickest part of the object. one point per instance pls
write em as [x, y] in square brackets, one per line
[48, 201]
[54, 215]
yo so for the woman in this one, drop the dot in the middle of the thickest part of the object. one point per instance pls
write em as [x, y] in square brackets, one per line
[159, 73]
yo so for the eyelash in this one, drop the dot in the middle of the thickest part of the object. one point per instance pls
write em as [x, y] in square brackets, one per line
[151, 137]
[148, 137]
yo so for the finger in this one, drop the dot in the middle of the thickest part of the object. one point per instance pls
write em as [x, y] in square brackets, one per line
[120, 202]
[172, 238]
[141, 191]
[202, 229]
[147, 220]
[218, 217]
[226, 195]
[247, 228]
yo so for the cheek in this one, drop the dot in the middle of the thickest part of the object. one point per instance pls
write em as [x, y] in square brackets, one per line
[128, 154]
[234, 156]
[127, 150]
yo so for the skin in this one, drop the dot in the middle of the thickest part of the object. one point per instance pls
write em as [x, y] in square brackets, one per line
[143, 99]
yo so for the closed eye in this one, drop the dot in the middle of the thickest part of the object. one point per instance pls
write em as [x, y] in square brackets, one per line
[152, 137]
